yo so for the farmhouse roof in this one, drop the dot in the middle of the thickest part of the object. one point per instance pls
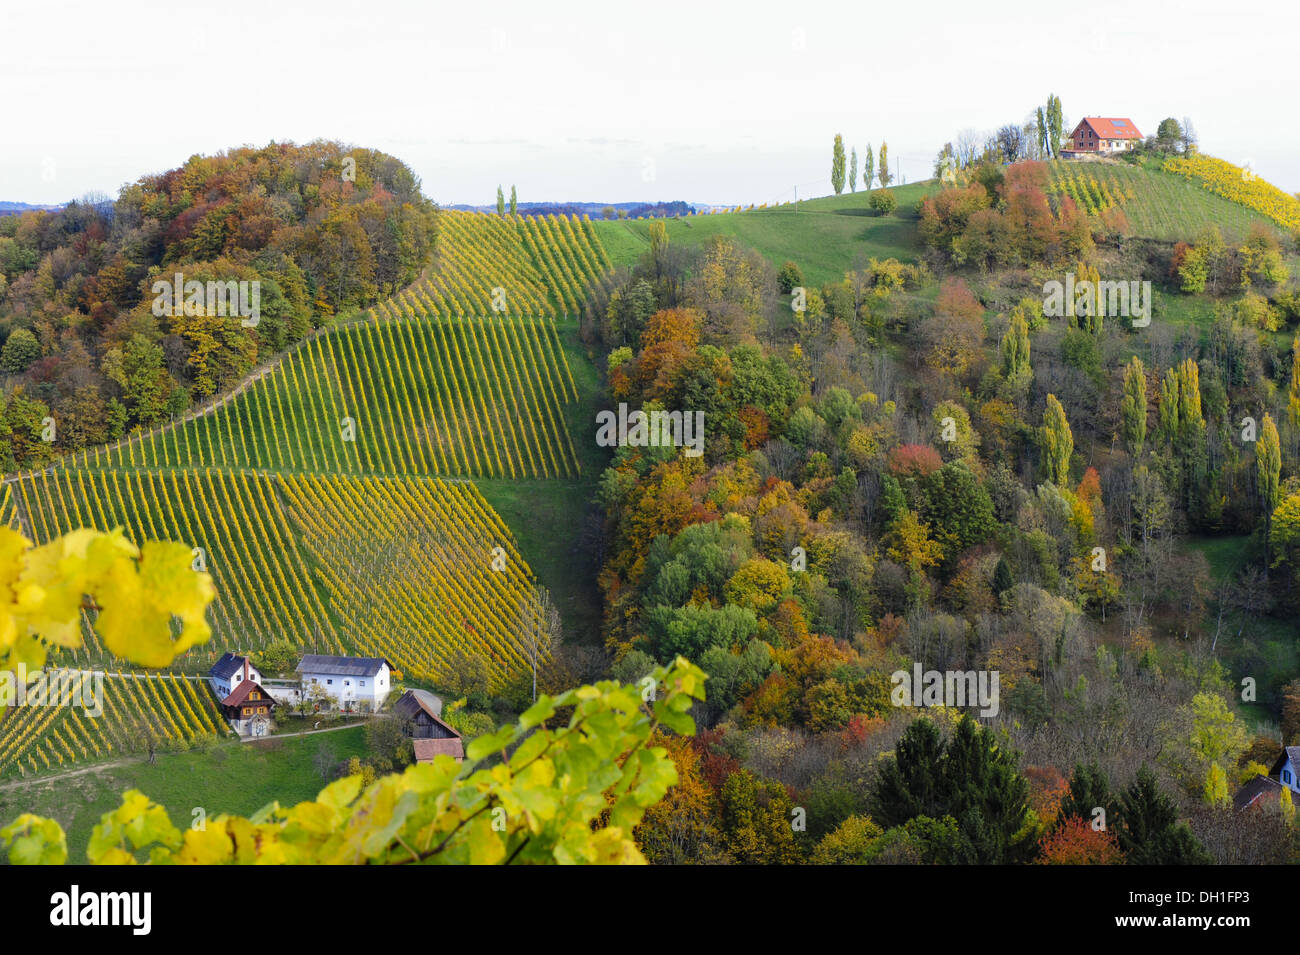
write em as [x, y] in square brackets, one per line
[240, 693]
[1261, 785]
[426, 749]
[1113, 127]
[342, 666]
[227, 666]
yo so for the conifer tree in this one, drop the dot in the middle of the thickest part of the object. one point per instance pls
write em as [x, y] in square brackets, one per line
[1150, 833]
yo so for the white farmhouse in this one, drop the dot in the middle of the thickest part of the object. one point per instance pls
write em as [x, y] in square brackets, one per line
[228, 672]
[347, 680]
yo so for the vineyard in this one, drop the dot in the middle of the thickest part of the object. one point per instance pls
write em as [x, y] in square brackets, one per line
[407, 394]
[1238, 185]
[1157, 205]
[172, 709]
[328, 561]
[324, 495]
[510, 265]
[1094, 189]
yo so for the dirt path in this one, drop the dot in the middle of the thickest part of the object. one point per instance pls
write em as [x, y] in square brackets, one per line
[98, 767]
[328, 729]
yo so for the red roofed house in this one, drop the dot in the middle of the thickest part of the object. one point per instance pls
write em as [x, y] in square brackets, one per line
[244, 704]
[1102, 136]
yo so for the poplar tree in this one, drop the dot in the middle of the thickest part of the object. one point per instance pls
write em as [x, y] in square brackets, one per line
[1016, 369]
[837, 165]
[1293, 396]
[1055, 125]
[1268, 465]
[1181, 421]
[1133, 407]
[883, 175]
[514, 200]
[868, 167]
[501, 202]
[1058, 442]
[853, 169]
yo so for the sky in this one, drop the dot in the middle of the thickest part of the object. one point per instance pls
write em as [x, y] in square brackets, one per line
[595, 101]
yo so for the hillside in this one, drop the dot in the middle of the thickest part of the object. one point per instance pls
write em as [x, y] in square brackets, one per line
[831, 234]
[1158, 204]
[327, 493]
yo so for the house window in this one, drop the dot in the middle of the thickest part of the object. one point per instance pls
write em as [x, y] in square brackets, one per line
[347, 682]
[329, 682]
[363, 682]
[1286, 776]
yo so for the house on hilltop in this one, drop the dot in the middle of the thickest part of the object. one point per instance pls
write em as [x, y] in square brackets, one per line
[347, 680]
[1102, 136]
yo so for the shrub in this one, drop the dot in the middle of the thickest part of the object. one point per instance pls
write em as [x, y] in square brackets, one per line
[882, 201]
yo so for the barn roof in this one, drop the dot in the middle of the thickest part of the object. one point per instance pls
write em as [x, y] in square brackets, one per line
[342, 666]
[1113, 127]
[426, 749]
[413, 700]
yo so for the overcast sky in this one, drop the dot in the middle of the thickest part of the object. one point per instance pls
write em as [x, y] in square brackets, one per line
[619, 102]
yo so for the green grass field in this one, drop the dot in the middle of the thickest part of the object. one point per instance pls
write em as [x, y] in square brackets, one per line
[547, 517]
[238, 778]
[825, 237]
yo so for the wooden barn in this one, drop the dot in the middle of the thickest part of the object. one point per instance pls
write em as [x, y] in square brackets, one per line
[430, 736]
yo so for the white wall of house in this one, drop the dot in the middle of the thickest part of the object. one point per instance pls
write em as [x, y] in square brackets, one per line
[223, 687]
[351, 689]
[1287, 776]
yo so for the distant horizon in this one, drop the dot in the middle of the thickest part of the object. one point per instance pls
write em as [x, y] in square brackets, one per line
[574, 99]
[805, 190]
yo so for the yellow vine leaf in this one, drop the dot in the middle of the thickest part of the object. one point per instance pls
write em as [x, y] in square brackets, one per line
[138, 594]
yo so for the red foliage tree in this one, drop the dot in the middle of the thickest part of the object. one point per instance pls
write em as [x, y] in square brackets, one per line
[1077, 843]
[914, 461]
